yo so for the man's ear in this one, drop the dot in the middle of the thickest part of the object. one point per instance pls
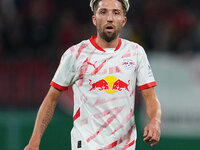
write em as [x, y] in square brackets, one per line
[124, 21]
[94, 20]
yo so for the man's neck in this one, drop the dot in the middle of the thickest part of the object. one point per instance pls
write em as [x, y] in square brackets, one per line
[104, 44]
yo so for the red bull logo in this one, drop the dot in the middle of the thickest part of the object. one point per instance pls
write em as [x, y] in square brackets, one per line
[119, 85]
[100, 85]
[109, 84]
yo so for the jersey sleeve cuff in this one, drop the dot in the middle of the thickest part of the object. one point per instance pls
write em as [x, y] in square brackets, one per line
[57, 86]
[148, 85]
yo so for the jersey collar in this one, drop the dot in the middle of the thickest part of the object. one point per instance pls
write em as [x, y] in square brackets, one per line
[101, 49]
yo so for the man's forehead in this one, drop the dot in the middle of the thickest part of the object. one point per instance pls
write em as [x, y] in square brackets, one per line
[110, 4]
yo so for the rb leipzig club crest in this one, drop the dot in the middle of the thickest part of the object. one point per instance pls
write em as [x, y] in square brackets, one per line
[110, 84]
[128, 64]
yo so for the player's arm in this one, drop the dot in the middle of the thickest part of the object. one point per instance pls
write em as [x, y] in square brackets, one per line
[153, 110]
[44, 116]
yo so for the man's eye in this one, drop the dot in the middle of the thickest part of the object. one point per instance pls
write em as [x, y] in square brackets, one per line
[116, 12]
[102, 11]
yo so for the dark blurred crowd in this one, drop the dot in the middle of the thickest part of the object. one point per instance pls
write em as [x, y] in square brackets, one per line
[35, 33]
[43, 29]
[172, 25]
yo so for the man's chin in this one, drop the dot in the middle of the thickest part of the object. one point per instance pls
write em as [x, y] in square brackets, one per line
[108, 37]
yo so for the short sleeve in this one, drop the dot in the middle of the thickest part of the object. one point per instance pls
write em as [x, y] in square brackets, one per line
[145, 78]
[65, 73]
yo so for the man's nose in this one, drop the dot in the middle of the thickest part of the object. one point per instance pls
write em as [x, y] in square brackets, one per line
[110, 17]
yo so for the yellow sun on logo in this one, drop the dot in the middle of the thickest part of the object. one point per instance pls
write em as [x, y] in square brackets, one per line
[110, 80]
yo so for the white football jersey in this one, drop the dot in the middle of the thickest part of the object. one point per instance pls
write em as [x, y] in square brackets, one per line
[104, 82]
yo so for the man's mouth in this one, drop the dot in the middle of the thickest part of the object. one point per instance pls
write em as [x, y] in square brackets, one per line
[109, 28]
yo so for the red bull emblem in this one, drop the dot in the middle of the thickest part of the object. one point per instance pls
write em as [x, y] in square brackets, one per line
[100, 85]
[119, 85]
[109, 84]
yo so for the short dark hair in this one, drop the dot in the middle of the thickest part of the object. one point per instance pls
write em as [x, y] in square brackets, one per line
[96, 3]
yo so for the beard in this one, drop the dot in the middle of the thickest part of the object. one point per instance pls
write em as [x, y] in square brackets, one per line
[108, 37]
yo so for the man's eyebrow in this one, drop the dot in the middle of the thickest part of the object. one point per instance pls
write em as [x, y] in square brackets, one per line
[115, 9]
[103, 9]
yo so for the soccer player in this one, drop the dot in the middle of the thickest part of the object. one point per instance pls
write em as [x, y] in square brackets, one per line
[103, 71]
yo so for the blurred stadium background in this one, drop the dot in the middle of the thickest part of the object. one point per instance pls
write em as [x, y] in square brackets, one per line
[35, 33]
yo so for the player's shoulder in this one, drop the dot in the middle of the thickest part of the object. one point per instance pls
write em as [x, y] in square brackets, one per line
[83, 43]
[76, 48]
[132, 45]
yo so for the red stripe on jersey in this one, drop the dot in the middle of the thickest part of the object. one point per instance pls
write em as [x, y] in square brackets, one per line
[129, 145]
[122, 139]
[148, 85]
[84, 68]
[116, 111]
[97, 69]
[126, 119]
[128, 54]
[84, 122]
[102, 114]
[103, 101]
[112, 145]
[72, 49]
[77, 115]
[127, 136]
[81, 49]
[132, 93]
[101, 49]
[57, 86]
[117, 69]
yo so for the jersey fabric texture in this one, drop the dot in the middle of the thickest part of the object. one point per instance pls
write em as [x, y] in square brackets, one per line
[104, 85]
